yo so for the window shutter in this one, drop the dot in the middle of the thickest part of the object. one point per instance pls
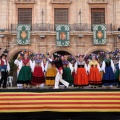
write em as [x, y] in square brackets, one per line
[24, 15]
[61, 16]
[97, 16]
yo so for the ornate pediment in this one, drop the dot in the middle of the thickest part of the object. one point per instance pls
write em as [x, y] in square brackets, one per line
[97, 1]
[24, 1]
[61, 1]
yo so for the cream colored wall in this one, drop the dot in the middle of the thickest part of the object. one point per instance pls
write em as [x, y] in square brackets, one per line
[78, 46]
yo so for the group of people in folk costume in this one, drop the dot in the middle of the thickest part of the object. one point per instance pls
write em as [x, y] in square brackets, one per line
[55, 70]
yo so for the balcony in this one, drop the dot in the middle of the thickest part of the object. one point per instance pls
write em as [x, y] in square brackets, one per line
[51, 27]
[98, 1]
[61, 1]
[24, 1]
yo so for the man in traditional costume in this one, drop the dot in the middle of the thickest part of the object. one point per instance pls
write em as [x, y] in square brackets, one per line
[58, 78]
[5, 69]
[94, 72]
[81, 72]
[109, 69]
[25, 74]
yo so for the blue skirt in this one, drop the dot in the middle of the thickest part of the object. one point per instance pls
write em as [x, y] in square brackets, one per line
[109, 77]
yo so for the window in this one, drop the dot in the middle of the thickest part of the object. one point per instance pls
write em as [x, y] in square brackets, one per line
[24, 15]
[61, 16]
[97, 16]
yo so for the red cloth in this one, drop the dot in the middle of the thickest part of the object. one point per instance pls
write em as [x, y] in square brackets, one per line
[38, 76]
[81, 77]
[94, 76]
[25, 61]
[38, 71]
[2, 62]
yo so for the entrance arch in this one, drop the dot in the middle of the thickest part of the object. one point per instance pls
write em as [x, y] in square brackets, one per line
[17, 49]
[63, 51]
[97, 48]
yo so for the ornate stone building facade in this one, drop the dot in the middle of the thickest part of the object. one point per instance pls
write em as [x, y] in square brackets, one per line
[44, 14]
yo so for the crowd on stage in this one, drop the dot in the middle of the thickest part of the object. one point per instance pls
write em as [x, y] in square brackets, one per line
[55, 70]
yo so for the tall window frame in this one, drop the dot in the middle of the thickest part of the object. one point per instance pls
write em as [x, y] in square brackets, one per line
[25, 16]
[97, 16]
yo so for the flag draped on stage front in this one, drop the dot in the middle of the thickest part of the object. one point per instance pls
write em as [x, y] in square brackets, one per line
[99, 34]
[62, 35]
[23, 34]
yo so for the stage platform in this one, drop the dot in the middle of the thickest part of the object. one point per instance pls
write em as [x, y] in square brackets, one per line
[60, 102]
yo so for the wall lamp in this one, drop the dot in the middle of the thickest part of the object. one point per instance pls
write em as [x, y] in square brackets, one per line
[2, 29]
[2, 36]
[80, 35]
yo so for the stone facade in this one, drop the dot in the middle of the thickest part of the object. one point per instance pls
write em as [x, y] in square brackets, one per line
[78, 45]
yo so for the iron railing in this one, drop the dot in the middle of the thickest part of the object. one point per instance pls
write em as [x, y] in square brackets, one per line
[51, 27]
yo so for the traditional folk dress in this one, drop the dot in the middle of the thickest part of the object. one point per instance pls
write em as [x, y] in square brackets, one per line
[25, 74]
[109, 69]
[94, 73]
[67, 72]
[38, 73]
[50, 74]
[18, 63]
[81, 74]
[58, 78]
[119, 74]
[4, 68]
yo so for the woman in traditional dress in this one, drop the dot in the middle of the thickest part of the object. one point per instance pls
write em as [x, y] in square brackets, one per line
[81, 72]
[50, 74]
[67, 71]
[18, 62]
[25, 74]
[116, 62]
[94, 72]
[119, 74]
[109, 69]
[38, 72]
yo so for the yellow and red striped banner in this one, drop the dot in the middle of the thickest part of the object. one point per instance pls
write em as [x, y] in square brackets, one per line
[60, 102]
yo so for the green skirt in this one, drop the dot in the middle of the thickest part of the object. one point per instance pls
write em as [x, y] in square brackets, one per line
[25, 75]
[67, 76]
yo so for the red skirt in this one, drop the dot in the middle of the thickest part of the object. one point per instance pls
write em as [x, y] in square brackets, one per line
[94, 76]
[75, 79]
[38, 76]
[81, 77]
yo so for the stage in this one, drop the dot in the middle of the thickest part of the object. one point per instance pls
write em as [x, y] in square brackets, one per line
[55, 101]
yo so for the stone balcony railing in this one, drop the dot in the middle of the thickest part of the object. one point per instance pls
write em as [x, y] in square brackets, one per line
[98, 1]
[24, 1]
[51, 27]
[61, 1]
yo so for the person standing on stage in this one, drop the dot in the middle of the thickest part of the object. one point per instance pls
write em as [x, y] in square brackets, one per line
[119, 74]
[81, 72]
[94, 72]
[38, 72]
[67, 70]
[109, 69]
[50, 73]
[58, 78]
[25, 74]
[5, 69]
[18, 63]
